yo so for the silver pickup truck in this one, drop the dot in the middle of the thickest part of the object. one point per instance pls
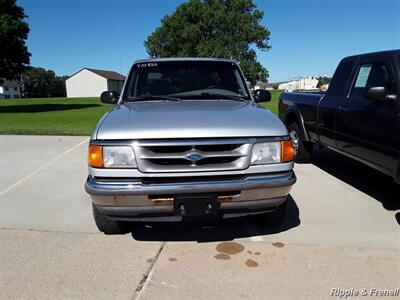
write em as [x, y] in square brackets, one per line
[186, 140]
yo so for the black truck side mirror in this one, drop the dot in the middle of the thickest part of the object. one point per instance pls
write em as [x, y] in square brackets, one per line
[377, 93]
[262, 96]
[109, 97]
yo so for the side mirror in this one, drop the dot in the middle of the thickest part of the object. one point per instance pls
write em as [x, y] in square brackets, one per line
[262, 96]
[109, 97]
[376, 93]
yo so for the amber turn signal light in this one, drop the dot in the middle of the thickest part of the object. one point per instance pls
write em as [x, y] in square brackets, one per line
[95, 156]
[287, 151]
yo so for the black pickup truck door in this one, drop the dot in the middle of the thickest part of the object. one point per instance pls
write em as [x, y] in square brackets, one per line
[328, 105]
[366, 129]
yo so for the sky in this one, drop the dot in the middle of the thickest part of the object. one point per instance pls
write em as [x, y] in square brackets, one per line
[308, 37]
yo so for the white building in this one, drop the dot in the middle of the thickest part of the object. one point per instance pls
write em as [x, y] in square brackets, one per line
[288, 86]
[91, 83]
[263, 86]
[308, 83]
[305, 83]
[10, 89]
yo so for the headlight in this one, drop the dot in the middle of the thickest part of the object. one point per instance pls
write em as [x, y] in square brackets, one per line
[111, 157]
[118, 157]
[272, 152]
[266, 153]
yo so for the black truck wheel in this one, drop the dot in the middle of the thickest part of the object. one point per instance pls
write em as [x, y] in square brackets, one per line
[107, 225]
[302, 149]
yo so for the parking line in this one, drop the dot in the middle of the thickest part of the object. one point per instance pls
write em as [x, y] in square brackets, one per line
[14, 185]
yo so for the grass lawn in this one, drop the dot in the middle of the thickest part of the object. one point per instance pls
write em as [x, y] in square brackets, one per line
[61, 116]
[273, 104]
[52, 116]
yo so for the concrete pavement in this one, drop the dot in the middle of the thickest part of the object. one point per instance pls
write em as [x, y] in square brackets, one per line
[340, 232]
[59, 265]
[267, 272]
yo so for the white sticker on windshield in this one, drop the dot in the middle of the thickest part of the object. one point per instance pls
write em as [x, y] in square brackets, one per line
[363, 76]
[145, 65]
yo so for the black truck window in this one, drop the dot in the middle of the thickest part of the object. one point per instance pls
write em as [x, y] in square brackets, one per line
[338, 85]
[371, 75]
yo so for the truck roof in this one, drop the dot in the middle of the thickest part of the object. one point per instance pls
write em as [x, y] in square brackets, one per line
[396, 51]
[184, 59]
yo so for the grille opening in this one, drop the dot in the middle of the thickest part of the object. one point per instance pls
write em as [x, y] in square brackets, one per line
[222, 147]
[170, 161]
[168, 149]
[184, 148]
[216, 160]
[183, 162]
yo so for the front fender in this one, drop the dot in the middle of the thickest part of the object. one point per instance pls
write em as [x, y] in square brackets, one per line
[293, 114]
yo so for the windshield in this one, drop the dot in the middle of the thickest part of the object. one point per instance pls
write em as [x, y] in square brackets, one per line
[186, 80]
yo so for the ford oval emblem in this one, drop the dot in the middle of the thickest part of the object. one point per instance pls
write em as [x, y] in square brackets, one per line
[194, 156]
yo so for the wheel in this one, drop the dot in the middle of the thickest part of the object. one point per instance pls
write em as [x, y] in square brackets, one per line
[106, 224]
[302, 150]
[271, 218]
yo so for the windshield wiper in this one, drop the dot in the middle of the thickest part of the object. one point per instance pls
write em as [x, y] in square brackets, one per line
[153, 97]
[225, 96]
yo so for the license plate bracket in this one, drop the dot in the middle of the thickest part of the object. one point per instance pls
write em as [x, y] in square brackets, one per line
[196, 205]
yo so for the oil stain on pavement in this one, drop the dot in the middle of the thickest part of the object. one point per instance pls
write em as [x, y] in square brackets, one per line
[229, 247]
[278, 245]
[222, 256]
[251, 263]
[226, 249]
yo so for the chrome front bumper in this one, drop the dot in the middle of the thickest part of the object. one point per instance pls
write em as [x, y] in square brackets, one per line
[135, 198]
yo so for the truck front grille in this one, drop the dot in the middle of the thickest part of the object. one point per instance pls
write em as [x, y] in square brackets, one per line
[192, 155]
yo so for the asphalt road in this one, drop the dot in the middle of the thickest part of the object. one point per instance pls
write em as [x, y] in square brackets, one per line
[341, 232]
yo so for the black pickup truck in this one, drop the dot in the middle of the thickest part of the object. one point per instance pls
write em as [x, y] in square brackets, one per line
[359, 116]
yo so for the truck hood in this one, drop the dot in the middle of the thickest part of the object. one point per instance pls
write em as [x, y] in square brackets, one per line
[188, 119]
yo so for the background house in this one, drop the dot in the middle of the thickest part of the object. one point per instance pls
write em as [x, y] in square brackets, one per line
[304, 83]
[263, 86]
[10, 89]
[92, 82]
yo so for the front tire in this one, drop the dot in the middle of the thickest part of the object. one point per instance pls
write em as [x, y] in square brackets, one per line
[302, 149]
[106, 224]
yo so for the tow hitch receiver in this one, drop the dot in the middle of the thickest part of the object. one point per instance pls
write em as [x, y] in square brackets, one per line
[196, 205]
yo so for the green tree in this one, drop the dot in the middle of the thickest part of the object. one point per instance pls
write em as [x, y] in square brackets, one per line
[214, 28]
[14, 55]
[39, 82]
[323, 80]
